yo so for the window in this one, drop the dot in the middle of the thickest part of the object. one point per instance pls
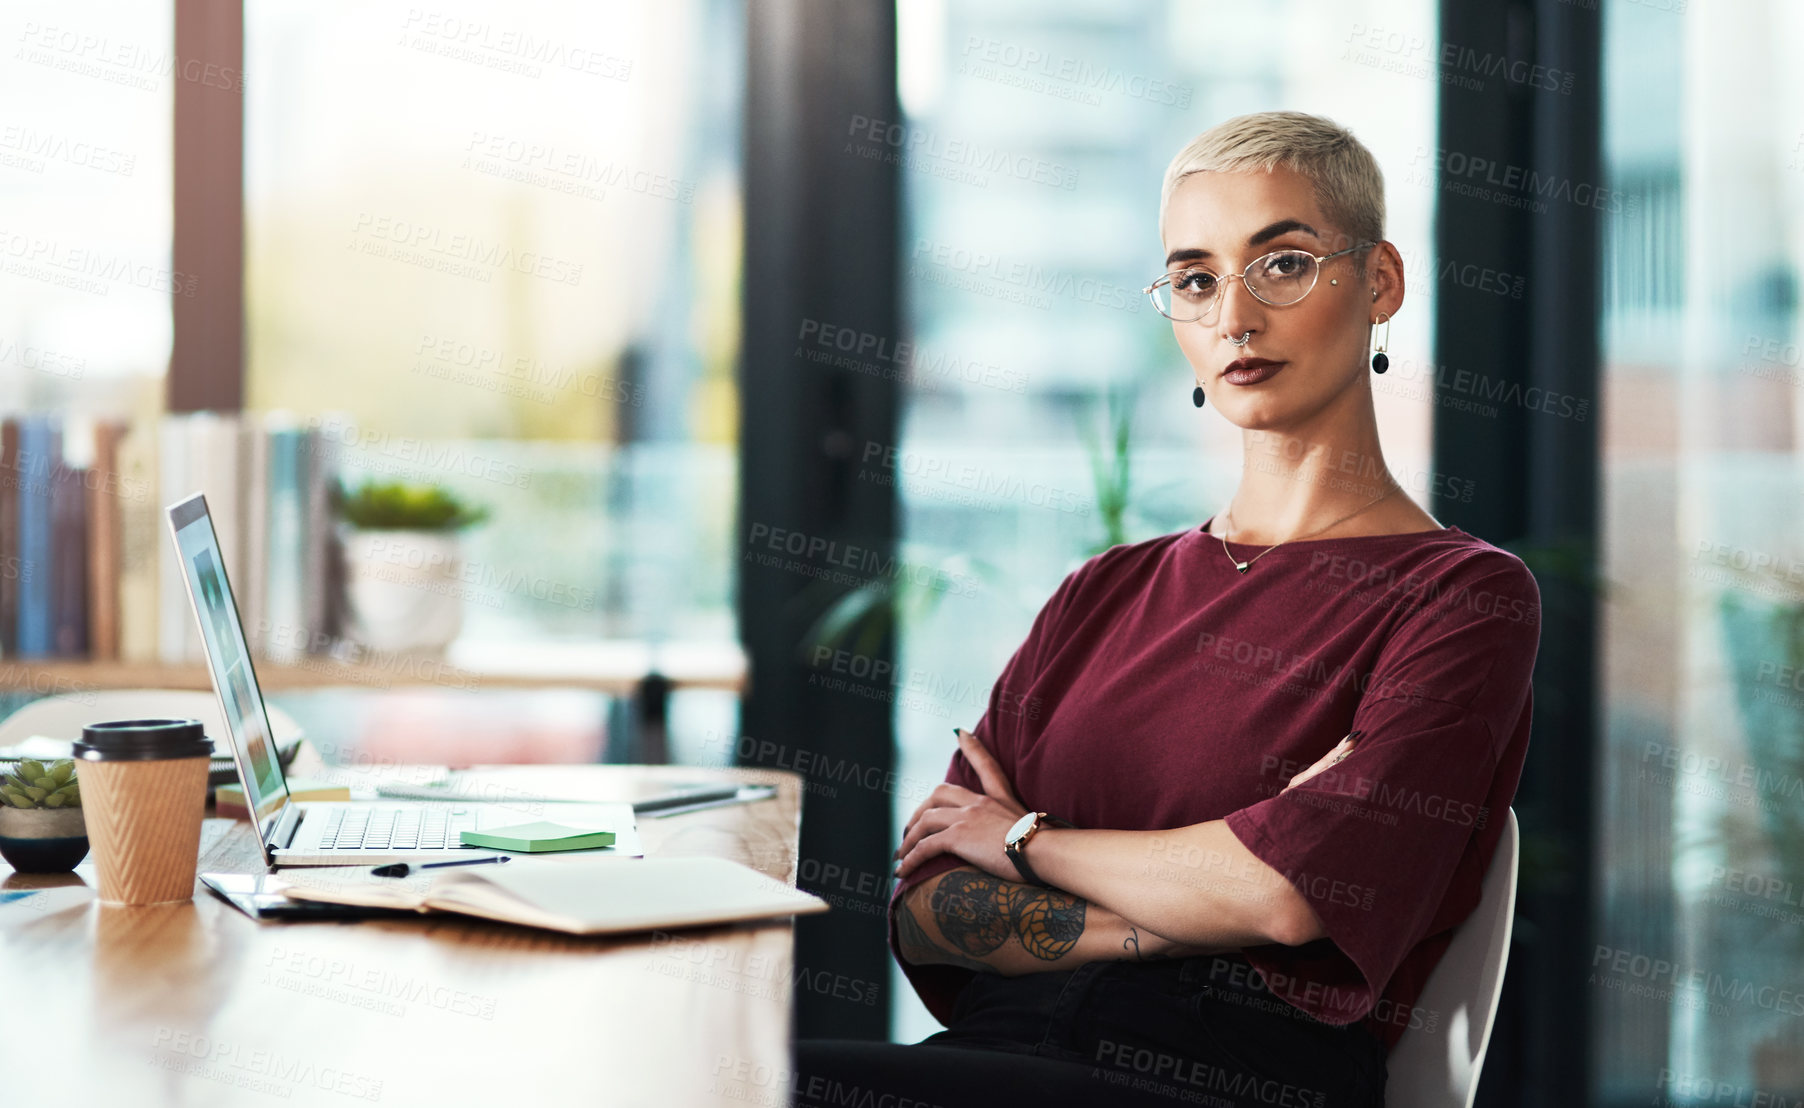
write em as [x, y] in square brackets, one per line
[85, 172]
[497, 250]
[1033, 147]
[1703, 621]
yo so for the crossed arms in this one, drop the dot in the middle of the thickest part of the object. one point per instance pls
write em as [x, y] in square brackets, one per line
[1111, 895]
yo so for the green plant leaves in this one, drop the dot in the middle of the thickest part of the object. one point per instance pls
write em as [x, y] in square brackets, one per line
[400, 505]
[33, 784]
[1109, 471]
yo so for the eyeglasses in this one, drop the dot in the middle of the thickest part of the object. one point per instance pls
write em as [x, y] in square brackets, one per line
[1280, 278]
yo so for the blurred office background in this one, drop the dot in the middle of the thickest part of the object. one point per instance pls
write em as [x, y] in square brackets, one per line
[831, 351]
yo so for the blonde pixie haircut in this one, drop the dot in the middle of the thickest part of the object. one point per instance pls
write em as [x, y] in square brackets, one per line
[1348, 184]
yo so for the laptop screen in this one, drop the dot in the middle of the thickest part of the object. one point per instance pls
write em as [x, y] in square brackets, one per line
[253, 746]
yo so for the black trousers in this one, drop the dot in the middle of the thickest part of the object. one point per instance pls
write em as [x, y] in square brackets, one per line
[1183, 1031]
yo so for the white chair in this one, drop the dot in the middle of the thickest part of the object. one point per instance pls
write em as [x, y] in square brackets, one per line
[63, 716]
[1439, 1068]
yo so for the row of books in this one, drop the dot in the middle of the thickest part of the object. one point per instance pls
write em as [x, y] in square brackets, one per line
[87, 565]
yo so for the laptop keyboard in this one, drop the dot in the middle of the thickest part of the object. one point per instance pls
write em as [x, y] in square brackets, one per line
[395, 829]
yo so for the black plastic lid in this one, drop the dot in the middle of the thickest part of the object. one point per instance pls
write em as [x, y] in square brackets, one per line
[143, 740]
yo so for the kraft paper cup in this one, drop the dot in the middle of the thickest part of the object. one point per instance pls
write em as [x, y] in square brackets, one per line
[144, 791]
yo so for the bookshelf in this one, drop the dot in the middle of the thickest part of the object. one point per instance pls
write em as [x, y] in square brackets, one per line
[639, 673]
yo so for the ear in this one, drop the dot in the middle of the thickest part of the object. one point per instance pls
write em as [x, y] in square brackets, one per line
[1384, 281]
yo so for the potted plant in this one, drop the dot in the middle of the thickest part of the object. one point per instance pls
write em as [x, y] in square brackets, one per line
[403, 563]
[41, 825]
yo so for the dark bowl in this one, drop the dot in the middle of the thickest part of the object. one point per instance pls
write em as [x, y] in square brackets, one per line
[43, 840]
[59, 855]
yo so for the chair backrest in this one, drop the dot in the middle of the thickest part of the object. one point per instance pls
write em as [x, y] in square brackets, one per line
[1439, 1068]
[63, 716]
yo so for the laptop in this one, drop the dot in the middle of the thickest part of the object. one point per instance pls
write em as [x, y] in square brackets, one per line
[330, 833]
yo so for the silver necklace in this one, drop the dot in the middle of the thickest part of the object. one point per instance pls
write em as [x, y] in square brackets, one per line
[1242, 566]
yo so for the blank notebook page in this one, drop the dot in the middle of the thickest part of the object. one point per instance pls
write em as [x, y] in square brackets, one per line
[599, 895]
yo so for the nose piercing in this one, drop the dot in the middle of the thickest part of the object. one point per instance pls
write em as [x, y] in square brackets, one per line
[1243, 339]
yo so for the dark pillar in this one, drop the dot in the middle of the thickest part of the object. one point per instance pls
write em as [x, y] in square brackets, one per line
[1520, 170]
[821, 247]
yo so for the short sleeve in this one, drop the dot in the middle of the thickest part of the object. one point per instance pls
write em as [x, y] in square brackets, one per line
[1012, 709]
[1384, 846]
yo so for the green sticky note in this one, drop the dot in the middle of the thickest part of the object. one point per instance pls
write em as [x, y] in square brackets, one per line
[534, 838]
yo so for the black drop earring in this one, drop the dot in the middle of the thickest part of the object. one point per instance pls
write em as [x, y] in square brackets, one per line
[1380, 362]
[1196, 396]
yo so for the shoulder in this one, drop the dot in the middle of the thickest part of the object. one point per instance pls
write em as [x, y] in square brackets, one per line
[1477, 559]
[1461, 574]
[1108, 577]
[1124, 564]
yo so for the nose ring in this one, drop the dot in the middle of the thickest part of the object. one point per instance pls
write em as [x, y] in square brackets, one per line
[1243, 339]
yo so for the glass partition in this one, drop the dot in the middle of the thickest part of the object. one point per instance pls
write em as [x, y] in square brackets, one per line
[1048, 411]
[1700, 960]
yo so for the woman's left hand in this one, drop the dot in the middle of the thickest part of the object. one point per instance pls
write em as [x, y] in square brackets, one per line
[1325, 762]
[956, 820]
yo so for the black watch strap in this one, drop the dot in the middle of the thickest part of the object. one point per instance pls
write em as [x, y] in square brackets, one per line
[1027, 873]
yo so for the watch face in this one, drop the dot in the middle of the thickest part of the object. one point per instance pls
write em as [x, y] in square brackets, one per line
[1021, 826]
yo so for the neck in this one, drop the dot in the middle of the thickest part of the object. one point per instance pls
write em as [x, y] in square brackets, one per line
[1297, 480]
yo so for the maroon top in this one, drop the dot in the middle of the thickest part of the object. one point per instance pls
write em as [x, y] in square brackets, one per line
[1160, 688]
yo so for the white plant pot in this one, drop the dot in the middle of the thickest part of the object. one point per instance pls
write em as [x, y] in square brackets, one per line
[403, 589]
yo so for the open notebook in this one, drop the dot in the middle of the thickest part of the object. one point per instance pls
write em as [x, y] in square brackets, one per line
[583, 896]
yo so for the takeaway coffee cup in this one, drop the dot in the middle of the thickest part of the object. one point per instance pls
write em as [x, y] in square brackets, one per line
[143, 791]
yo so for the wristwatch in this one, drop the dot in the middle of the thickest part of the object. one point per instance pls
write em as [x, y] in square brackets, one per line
[1015, 842]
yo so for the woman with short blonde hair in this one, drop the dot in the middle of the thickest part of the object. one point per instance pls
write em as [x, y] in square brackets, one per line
[1267, 757]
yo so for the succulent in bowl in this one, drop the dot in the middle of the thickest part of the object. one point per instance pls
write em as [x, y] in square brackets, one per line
[42, 829]
[33, 784]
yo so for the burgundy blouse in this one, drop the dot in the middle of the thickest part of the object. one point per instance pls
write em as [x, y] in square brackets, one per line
[1159, 687]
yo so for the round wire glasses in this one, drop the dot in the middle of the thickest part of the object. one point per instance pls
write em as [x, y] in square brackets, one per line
[1280, 278]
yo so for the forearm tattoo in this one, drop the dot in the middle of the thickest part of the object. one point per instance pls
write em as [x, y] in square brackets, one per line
[917, 945]
[1047, 922]
[1131, 944]
[972, 910]
[978, 912]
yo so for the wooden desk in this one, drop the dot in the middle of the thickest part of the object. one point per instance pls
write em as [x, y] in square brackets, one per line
[197, 1004]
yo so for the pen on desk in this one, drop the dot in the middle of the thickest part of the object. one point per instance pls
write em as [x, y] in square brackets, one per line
[685, 796]
[696, 803]
[402, 869]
